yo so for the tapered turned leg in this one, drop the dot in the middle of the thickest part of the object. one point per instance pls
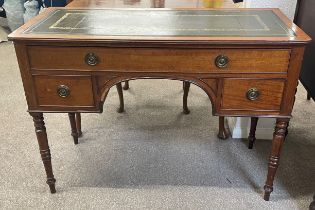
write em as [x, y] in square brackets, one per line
[121, 98]
[223, 133]
[126, 86]
[186, 86]
[252, 132]
[41, 135]
[74, 131]
[277, 142]
[78, 123]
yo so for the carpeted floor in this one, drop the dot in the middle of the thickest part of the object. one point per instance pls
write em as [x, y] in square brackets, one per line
[150, 157]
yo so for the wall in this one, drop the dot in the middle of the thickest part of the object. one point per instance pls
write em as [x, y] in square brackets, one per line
[287, 6]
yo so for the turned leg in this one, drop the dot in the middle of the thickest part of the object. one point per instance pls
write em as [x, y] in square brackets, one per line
[126, 86]
[74, 131]
[78, 123]
[223, 133]
[277, 142]
[41, 134]
[252, 132]
[121, 98]
[186, 86]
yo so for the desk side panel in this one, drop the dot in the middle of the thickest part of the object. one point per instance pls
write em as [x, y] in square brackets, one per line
[23, 60]
[294, 69]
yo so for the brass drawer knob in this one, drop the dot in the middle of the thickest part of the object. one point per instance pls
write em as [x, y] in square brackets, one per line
[252, 94]
[63, 91]
[221, 61]
[91, 59]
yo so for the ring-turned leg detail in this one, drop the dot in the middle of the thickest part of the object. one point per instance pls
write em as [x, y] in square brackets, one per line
[121, 98]
[252, 132]
[186, 86]
[78, 123]
[126, 86]
[41, 135]
[223, 133]
[277, 142]
[74, 131]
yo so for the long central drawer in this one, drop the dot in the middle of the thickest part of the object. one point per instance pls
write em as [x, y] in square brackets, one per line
[159, 60]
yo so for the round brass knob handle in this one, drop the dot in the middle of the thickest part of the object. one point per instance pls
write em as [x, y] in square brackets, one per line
[221, 61]
[63, 91]
[252, 94]
[91, 59]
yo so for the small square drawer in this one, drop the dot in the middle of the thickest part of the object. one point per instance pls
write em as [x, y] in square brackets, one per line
[64, 91]
[252, 94]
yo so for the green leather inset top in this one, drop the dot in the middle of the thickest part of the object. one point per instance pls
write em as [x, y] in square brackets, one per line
[150, 22]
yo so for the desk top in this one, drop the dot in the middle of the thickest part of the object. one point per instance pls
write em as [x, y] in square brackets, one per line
[153, 3]
[161, 24]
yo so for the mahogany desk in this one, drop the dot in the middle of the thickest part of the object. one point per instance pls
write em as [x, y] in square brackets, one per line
[246, 60]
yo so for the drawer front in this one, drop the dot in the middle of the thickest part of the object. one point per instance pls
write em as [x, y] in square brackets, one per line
[252, 94]
[160, 60]
[64, 91]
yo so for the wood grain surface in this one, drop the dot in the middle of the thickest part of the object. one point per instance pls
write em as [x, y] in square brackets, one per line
[81, 92]
[160, 60]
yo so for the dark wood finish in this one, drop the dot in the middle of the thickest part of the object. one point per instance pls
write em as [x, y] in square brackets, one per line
[78, 123]
[121, 98]
[269, 63]
[126, 86]
[223, 133]
[252, 132]
[74, 130]
[277, 142]
[304, 18]
[44, 150]
[186, 86]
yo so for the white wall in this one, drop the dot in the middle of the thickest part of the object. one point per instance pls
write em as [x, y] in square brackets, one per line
[287, 6]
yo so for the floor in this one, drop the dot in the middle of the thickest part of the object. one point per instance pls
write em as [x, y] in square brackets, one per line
[4, 30]
[150, 157]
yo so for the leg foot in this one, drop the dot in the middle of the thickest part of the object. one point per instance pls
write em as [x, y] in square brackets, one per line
[277, 142]
[252, 132]
[186, 86]
[121, 98]
[223, 133]
[41, 135]
[267, 193]
[51, 184]
[74, 131]
[78, 123]
[126, 86]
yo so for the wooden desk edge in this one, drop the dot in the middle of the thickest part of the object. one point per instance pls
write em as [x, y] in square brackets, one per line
[301, 38]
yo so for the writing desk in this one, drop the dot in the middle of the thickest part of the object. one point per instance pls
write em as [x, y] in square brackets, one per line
[246, 60]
